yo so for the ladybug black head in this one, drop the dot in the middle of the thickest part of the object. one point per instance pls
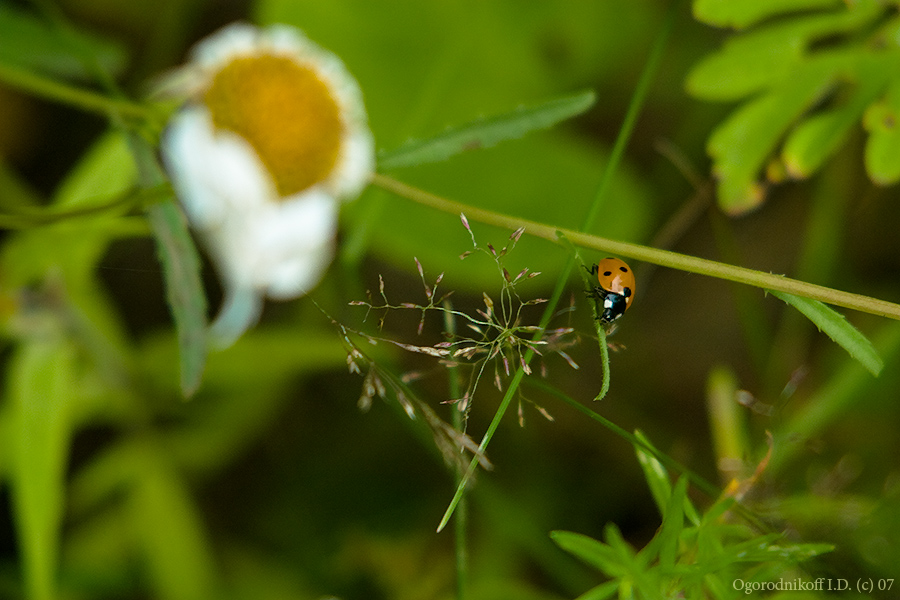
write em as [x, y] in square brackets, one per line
[614, 306]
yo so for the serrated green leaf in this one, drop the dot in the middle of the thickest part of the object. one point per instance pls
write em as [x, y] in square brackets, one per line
[184, 289]
[41, 376]
[741, 145]
[35, 44]
[732, 13]
[487, 132]
[838, 329]
[882, 121]
[816, 139]
[591, 551]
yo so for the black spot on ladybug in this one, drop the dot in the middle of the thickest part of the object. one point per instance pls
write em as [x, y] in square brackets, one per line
[607, 273]
[627, 292]
[623, 269]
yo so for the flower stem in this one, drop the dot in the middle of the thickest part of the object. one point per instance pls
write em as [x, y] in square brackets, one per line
[460, 525]
[51, 89]
[663, 258]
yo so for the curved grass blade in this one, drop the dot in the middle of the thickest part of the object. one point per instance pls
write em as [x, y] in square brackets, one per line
[838, 329]
[485, 133]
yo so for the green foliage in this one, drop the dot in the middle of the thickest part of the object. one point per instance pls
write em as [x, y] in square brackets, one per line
[838, 329]
[486, 132]
[698, 559]
[39, 418]
[184, 290]
[808, 80]
[271, 484]
[34, 44]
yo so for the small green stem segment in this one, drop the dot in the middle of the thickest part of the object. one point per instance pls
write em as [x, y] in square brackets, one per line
[663, 258]
[604, 360]
[459, 423]
[86, 100]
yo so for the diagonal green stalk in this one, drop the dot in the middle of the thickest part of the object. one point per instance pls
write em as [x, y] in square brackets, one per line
[459, 423]
[637, 101]
[50, 89]
[663, 258]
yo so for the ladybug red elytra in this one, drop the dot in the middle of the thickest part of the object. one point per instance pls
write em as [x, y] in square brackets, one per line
[616, 289]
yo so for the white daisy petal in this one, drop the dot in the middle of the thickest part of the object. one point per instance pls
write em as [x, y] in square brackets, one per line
[297, 242]
[356, 164]
[214, 171]
[260, 176]
[240, 311]
[232, 40]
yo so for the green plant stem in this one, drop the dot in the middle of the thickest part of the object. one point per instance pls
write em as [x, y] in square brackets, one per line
[604, 361]
[663, 258]
[631, 116]
[563, 278]
[76, 97]
[26, 217]
[462, 510]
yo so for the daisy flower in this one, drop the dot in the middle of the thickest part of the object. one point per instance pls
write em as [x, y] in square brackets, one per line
[272, 138]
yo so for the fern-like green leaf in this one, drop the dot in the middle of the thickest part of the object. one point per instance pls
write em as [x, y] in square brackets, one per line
[809, 77]
[739, 14]
[882, 121]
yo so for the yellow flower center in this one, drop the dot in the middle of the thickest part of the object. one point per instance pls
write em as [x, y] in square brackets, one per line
[285, 112]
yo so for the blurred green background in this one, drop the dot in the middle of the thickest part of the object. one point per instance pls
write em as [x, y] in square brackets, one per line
[270, 483]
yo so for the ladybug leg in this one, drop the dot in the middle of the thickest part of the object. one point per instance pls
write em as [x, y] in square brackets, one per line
[593, 270]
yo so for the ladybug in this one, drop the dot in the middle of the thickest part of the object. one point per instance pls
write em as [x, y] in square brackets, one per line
[616, 289]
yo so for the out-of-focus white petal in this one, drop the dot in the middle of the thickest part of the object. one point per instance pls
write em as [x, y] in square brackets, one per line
[264, 243]
[240, 311]
[356, 163]
[232, 40]
[297, 243]
[213, 171]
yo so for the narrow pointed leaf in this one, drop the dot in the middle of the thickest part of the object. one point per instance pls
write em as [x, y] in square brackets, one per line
[40, 397]
[838, 329]
[591, 551]
[673, 522]
[655, 473]
[181, 268]
[184, 289]
[486, 133]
